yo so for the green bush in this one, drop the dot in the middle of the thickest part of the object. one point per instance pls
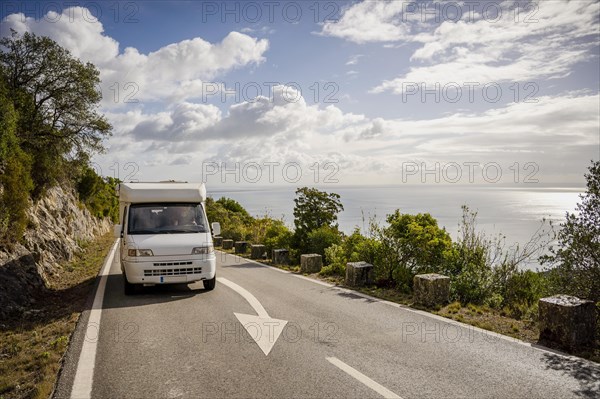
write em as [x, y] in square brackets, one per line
[525, 287]
[359, 248]
[15, 175]
[98, 194]
[409, 245]
[337, 261]
[14, 201]
[277, 235]
[494, 301]
[236, 223]
[320, 239]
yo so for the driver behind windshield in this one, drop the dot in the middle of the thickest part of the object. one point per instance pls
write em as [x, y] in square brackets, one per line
[179, 216]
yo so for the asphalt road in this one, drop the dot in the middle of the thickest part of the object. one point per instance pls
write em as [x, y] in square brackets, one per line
[181, 341]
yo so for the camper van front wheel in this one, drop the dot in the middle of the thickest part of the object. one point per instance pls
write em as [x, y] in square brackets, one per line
[209, 285]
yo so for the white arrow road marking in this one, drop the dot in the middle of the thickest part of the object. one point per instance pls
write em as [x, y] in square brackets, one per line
[380, 389]
[262, 328]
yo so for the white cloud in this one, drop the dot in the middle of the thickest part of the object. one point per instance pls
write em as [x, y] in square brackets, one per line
[173, 72]
[354, 59]
[505, 50]
[532, 44]
[276, 130]
[369, 21]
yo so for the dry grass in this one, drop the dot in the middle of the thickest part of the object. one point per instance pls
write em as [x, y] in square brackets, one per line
[32, 346]
[492, 320]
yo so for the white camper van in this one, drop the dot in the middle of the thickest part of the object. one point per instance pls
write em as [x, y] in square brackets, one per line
[165, 235]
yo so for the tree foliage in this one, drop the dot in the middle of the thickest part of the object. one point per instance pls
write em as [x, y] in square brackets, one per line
[49, 128]
[410, 244]
[56, 97]
[314, 209]
[576, 259]
[98, 194]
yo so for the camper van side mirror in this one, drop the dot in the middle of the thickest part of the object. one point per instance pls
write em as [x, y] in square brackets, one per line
[216, 228]
[117, 228]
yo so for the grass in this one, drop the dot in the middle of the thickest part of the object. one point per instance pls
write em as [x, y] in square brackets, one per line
[32, 346]
[492, 320]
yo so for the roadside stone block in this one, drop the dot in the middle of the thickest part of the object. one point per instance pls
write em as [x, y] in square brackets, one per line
[567, 321]
[257, 251]
[311, 263]
[218, 241]
[431, 289]
[281, 256]
[227, 244]
[241, 247]
[359, 274]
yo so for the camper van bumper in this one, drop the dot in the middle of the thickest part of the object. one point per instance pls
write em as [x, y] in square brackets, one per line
[160, 272]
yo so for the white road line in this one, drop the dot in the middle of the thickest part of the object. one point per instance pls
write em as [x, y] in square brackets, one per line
[255, 262]
[84, 375]
[258, 308]
[323, 283]
[380, 389]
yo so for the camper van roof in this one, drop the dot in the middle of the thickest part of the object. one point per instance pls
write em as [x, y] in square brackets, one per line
[162, 192]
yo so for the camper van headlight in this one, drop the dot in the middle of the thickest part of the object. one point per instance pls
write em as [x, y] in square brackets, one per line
[140, 252]
[202, 250]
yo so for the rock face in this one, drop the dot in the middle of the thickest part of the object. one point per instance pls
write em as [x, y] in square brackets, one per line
[241, 247]
[217, 241]
[58, 223]
[567, 321]
[311, 263]
[431, 289]
[227, 244]
[257, 251]
[359, 274]
[281, 257]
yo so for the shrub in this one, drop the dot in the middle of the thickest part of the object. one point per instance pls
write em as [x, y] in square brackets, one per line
[494, 301]
[15, 176]
[468, 264]
[525, 287]
[98, 194]
[277, 235]
[337, 261]
[360, 248]
[409, 245]
[236, 223]
[320, 239]
[16, 186]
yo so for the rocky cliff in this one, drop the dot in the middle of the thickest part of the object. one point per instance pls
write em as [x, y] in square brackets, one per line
[58, 224]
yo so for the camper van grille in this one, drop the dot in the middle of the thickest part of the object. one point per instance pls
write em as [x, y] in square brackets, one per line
[173, 263]
[172, 272]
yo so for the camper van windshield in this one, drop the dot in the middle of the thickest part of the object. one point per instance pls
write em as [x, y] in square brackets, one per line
[166, 219]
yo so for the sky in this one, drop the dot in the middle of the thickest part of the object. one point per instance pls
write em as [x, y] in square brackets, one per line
[354, 93]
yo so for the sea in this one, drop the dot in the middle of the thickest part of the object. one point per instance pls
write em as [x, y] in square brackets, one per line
[516, 212]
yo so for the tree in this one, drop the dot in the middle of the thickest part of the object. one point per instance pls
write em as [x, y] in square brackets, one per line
[576, 260]
[55, 96]
[233, 206]
[315, 209]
